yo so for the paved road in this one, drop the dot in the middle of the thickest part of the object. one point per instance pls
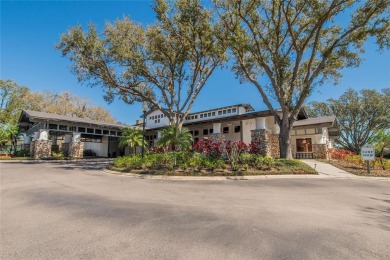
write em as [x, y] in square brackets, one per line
[74, 211]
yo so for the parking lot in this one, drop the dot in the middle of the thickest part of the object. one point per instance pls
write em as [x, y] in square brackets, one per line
[76, 211]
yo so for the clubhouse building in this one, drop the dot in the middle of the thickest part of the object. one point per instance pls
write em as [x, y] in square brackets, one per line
[44, 132]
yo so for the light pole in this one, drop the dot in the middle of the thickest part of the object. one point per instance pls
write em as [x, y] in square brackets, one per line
[144, 108]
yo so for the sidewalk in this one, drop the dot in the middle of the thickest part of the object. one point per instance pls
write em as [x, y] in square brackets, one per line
[327, 170]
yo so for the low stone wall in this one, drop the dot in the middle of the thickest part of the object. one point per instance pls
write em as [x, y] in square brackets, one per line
[41, 149]
[217, 137]
[320, 151]
[268, 142]
[76, 149]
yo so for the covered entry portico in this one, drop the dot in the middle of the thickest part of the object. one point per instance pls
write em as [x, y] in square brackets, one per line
[73, 136]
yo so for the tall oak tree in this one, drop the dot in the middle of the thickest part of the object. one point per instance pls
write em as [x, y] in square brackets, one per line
[287, 48]
[165, 64]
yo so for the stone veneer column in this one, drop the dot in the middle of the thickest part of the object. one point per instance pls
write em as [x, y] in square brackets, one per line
[320, 151]
[262, 136]
[42, 149]
[42, 146]
[268, 143]
[217, 137]
[76, 147]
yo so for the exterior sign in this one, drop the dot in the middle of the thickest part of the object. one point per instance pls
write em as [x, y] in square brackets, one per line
[368, 153]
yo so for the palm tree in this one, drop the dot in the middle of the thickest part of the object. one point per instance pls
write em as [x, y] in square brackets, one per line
[131, 137]
[177, 138]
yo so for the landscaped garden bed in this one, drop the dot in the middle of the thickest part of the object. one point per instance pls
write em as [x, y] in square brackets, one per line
[353, 163]
[195, 164]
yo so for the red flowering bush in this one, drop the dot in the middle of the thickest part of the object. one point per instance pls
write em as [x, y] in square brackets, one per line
[340, 154]
[254, 147]
[216, 149]
[208, 148]
[155, 149]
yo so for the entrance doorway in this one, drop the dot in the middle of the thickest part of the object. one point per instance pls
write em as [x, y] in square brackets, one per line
[304, 149]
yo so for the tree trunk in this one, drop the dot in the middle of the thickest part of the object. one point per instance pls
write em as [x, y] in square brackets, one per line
[381, 157]
[284, 139]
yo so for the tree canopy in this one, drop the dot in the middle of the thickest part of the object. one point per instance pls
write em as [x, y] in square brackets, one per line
[14, 98]
[165, 64]
[287, 48]
[360, 116]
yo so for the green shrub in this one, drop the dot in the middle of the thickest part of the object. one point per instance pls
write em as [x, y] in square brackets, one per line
[245, 158]
[132, 161]
[22, 153]
[57, 154]
[195, 162]
[269, 161]
[183, 166]
[386, 164]
[245, 166]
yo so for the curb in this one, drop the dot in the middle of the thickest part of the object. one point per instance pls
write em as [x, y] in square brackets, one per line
[56, 161]
[213, 178]
[240, 178]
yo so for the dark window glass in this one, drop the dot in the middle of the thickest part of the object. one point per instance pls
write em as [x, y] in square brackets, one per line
[226, 130]
[196, 133]
[229, 111]
[105, 132]
[205, 131]
[52, 126]
[224, 112]
[98, 131]
[234, 110]
[304, 145]
[219, 112]
[81, 129]
[209, 114]
[72, 128]
[211, 131]
[237, 129]
[90, 130]
[63, 127]
[112, 133]
[213, 113]
[119, 133]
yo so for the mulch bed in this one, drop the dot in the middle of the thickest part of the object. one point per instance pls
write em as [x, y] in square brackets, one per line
[360, 169]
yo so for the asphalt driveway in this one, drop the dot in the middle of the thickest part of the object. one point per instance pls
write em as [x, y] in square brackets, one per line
[75, 211]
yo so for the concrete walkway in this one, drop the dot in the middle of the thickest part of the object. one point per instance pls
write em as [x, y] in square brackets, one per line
[326, 169]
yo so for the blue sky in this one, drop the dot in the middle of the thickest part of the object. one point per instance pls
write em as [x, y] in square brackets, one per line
[30, 29]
